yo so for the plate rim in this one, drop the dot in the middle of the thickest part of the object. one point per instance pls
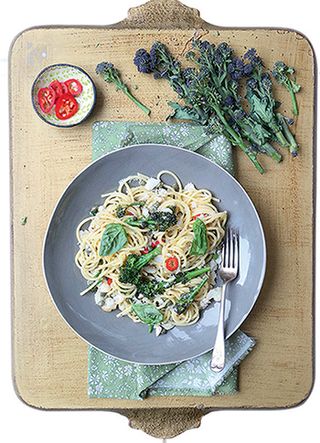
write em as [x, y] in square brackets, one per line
[150, 145]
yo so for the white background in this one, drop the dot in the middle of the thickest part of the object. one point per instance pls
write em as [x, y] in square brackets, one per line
[20, 422]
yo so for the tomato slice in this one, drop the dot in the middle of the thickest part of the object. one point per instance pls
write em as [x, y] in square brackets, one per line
[46, 99]
[172, 263]
[66, 106]
[57, 87]
[74, 86]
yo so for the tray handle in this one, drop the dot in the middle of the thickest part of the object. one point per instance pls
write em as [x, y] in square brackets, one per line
[164, 423]
[164, 14]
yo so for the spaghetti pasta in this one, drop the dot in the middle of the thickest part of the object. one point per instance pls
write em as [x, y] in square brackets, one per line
[139, 198]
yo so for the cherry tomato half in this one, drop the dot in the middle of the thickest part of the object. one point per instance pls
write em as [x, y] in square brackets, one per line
[172, 263]
[46, 99]
[74, 86]
[57, 87]
[66, 106]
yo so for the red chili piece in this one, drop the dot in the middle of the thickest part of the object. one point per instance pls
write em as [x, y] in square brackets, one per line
[66, 106]
[74, 86]
[172, 263]
[197, 215]
[154, 244]
[57, 87]
[46, 99]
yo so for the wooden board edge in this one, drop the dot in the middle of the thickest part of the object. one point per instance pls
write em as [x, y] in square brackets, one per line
[137, 417]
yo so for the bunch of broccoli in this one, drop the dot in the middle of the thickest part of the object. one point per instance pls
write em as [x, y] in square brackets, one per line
[211, 94]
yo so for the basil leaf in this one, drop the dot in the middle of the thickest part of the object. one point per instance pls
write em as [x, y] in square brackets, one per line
[200, 241]
[113, 239]
[148, 314]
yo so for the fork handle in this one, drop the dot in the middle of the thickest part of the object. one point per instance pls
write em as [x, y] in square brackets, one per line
[218, 354]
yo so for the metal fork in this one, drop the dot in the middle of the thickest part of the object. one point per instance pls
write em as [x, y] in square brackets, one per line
[228, 272]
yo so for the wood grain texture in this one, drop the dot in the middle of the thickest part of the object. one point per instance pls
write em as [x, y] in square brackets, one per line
[50, 361]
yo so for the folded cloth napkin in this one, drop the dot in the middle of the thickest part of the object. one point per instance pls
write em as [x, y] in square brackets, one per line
[109, 377]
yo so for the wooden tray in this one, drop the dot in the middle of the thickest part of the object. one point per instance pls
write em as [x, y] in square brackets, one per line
[50, 361]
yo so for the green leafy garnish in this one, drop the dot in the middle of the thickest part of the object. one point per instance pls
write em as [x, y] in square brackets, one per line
[24, 220]
[148, 314]
[113, 239]
[200, 241]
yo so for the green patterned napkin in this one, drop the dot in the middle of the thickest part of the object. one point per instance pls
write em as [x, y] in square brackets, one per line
[113, 378]
[109, 377]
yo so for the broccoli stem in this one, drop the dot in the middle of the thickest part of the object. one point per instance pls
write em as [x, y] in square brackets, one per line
[150, 287]
[238, 140]
[266, 147]
[271, 152]
[295, 108]
[140, 222]
[186, 299]
[146, 258]
[187, 276]
[280, 137]
[293, 145]
[136, 101]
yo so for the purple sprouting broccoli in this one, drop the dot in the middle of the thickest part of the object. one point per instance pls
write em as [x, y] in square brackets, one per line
[283, 75]
[111, 75]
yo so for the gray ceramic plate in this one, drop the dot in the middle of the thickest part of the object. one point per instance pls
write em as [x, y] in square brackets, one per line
[121, 337]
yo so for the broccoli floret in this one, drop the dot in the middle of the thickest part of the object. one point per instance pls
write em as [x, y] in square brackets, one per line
[163, 220]
[157, 220]
[149, 287]
[130, 271]
[122, 209]
[283, 74]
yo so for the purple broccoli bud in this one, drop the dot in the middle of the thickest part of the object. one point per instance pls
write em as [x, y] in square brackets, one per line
[142, 61]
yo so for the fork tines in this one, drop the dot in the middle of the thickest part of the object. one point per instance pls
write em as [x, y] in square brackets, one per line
[230, 250]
